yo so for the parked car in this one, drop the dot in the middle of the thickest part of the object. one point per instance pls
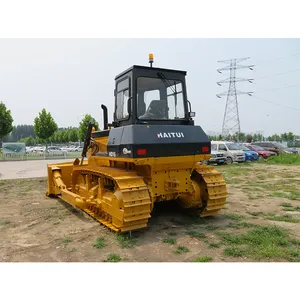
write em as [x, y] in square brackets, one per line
[261, 151]
[231, 151]
[56, 150]
[38, 149]
[250, 154]
[72, 149]
[217, 157]
[78, 149]
[29, 149]
[275, 147]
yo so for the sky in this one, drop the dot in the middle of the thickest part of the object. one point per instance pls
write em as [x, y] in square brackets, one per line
[72, 77]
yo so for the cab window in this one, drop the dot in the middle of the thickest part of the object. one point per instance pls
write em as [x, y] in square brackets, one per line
[122, 99]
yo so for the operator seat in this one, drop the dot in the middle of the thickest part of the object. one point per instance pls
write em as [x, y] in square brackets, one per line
[156, 110]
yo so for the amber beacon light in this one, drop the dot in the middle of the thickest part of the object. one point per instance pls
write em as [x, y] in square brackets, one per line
[151, 59]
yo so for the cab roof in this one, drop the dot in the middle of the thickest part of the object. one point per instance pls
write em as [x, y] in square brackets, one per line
[149, 69]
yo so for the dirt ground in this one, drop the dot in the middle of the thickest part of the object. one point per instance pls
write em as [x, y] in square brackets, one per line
[260, 223]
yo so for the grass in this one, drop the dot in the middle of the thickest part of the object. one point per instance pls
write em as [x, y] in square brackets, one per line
[286, 204]
[295, 242]
[214, 245]
[236, 169]
[181, 249]
[284, 218]
[196, 234]
[256, 213]
[289, 207]
[66, 241]
[284, 158]
[126, 241]
[234, 252]
[293, 208]
[291, 195]
[100, 243]
[171, 241]
[203, 259]
[212, 227]
[263, 242]
[234, 217]
[112, 257]
[4, 223]
[243, 225]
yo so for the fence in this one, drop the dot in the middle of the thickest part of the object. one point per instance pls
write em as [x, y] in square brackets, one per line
[37, 156]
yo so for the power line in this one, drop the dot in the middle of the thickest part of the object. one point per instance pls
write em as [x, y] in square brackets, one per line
[289, 107]
[275, 89]
[276, 59]
[276, 74]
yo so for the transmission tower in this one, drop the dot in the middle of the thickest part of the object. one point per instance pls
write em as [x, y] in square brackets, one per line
[231, 121]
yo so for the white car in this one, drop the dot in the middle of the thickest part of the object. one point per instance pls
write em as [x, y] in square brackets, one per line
[29, 149]
[72, 149]
[38, 149]
[78, 149]
[231, 151]
[56, 150]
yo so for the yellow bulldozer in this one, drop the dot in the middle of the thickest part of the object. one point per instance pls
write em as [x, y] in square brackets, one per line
[151, 152]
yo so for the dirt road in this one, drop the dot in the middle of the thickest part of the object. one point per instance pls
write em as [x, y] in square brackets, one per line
[26, 169]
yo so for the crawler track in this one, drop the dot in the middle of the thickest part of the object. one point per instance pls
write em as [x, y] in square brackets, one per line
[124, 206]
[215, 193]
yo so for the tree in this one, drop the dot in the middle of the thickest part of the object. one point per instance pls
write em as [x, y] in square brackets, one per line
[83, 125]
[290, 136]
[6, 120]
[274, 138]
[29, 141]
[283, 137]
[44, 125]
[73, 135]
[64, 136]
[22, 131]
[249, 138]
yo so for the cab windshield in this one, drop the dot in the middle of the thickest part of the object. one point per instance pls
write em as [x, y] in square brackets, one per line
[159, 98]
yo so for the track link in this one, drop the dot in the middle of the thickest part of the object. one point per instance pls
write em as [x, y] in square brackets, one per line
[134, 194]
[216, 192]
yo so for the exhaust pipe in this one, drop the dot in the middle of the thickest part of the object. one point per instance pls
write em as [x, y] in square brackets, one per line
[105, 121]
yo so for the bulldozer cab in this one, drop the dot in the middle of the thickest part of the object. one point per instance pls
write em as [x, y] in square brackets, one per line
[147, 95]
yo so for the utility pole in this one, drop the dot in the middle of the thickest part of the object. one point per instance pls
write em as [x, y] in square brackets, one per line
[231, 121]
